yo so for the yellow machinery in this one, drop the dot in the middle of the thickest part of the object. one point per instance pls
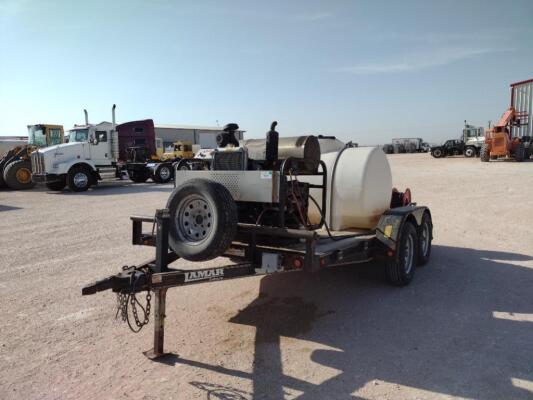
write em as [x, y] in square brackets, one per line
[15, 165]
[180, 149]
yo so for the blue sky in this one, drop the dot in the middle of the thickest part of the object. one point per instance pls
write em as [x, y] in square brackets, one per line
[361, 70]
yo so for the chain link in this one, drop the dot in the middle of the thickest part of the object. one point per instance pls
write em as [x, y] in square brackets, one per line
[127, 300]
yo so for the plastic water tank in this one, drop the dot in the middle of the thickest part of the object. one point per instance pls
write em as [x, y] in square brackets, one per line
[359, 188]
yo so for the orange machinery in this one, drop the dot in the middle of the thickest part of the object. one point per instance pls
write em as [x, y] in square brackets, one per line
[499, 141]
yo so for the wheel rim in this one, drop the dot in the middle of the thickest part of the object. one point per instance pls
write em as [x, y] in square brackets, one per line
[23, 175]
[424, 239]
[164, 173]
[408, 254]
[81, 179]
[437, 153]
[184, 167]
[469, 152]
[194, 219]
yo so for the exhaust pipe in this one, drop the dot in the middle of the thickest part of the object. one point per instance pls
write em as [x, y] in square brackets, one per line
[86, 117]
[113, 115]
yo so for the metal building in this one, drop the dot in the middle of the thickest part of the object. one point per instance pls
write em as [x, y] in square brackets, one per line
[522, 100]
[205, 136]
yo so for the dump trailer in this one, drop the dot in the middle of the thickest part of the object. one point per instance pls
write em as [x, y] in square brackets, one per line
[15, 164]
[273, 205]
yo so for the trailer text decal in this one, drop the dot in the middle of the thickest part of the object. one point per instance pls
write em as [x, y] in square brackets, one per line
[215, 273]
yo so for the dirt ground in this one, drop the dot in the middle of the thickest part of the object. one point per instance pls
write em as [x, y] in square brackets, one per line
[462, 329]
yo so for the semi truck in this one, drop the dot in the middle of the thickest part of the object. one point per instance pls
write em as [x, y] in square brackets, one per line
[469, 144]
[406, 145]
[98, 151]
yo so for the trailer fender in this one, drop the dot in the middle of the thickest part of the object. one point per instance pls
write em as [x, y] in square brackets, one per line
[391, 222]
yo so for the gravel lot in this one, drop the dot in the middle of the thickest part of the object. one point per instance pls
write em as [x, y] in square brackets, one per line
[462, 329]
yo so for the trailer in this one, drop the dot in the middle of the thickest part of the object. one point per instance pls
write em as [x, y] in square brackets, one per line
[247, 211]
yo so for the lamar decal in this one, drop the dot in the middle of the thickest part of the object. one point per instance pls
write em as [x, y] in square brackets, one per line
[208, 274]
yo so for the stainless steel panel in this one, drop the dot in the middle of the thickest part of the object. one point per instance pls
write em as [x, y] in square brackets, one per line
[255, 186]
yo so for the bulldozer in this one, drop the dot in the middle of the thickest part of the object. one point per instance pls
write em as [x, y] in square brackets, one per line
[15, 164]
[499, 142]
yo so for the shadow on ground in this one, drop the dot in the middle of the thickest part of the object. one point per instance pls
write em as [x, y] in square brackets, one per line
[118, 188]
[8, 208]
[455, 330]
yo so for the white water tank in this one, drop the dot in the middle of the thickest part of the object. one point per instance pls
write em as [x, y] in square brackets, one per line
[359, 188]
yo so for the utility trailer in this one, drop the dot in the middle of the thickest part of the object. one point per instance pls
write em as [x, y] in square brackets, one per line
[402, 238]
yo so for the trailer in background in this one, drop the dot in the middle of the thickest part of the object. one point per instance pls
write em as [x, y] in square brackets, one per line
[522, 101]
[204, 136]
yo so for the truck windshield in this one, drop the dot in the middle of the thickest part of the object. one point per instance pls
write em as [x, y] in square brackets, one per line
[78, 135]
[36, 136]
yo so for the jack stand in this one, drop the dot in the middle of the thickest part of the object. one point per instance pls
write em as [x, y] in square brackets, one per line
[159, 325]
[162, 219]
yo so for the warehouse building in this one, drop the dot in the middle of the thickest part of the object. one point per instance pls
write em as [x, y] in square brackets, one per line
[205, 136]
[522, 101]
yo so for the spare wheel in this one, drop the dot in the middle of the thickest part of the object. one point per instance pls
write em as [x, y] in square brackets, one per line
[203, 218]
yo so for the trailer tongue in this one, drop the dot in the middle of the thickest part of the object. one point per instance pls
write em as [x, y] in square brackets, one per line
[256, 211]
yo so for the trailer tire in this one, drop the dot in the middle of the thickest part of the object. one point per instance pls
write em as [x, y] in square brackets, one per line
[163, 173]
[79, 178]
[484, 153]
[401, 266]
[425, 236]
[17, 175]
[203, 220]
[470, 152]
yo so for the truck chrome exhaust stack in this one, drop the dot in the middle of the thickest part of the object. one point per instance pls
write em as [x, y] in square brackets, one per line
[86, 117]
[113, 115]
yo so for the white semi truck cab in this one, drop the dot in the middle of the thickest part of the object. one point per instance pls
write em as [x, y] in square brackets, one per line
[91, 150]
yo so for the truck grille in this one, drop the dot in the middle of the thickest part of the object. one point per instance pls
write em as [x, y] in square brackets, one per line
[37, 163]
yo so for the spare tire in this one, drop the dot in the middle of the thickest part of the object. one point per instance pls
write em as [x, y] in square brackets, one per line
[203, 219]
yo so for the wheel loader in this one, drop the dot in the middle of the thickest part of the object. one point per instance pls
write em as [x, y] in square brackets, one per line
[499, 143]
[15, 164]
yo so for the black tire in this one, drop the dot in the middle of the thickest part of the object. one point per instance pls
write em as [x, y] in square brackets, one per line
[79, 179]
[425, 236]
[17, 175]
[139, 177]
[470, 152]
[2, 182]
[437, 153]
[203, 220]
[58, 185]
[520, 153]
[163, 173]
[401, 266]
[484, 153]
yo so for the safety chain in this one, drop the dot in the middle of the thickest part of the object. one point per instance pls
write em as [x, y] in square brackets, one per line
[127, 300]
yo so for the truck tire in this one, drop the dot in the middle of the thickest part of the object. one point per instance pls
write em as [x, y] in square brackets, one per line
[162, 173]
[17, 175]
[401, 266]
[425, 236]
[203, 220]
[437, 153]
[484, 153]
[79, 179]
[520, 153]
[58, 185]
[139, 177]
[470, 152]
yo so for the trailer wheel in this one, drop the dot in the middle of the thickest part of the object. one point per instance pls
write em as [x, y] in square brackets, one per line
[162, 173]
[470, 152]
[17, 175]
[425, 235]
[58, 185]
[79, 179]
[484, 153]
[401, 266]
[203, 220]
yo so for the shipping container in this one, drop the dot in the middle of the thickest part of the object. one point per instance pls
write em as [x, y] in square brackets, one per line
[522, 101]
